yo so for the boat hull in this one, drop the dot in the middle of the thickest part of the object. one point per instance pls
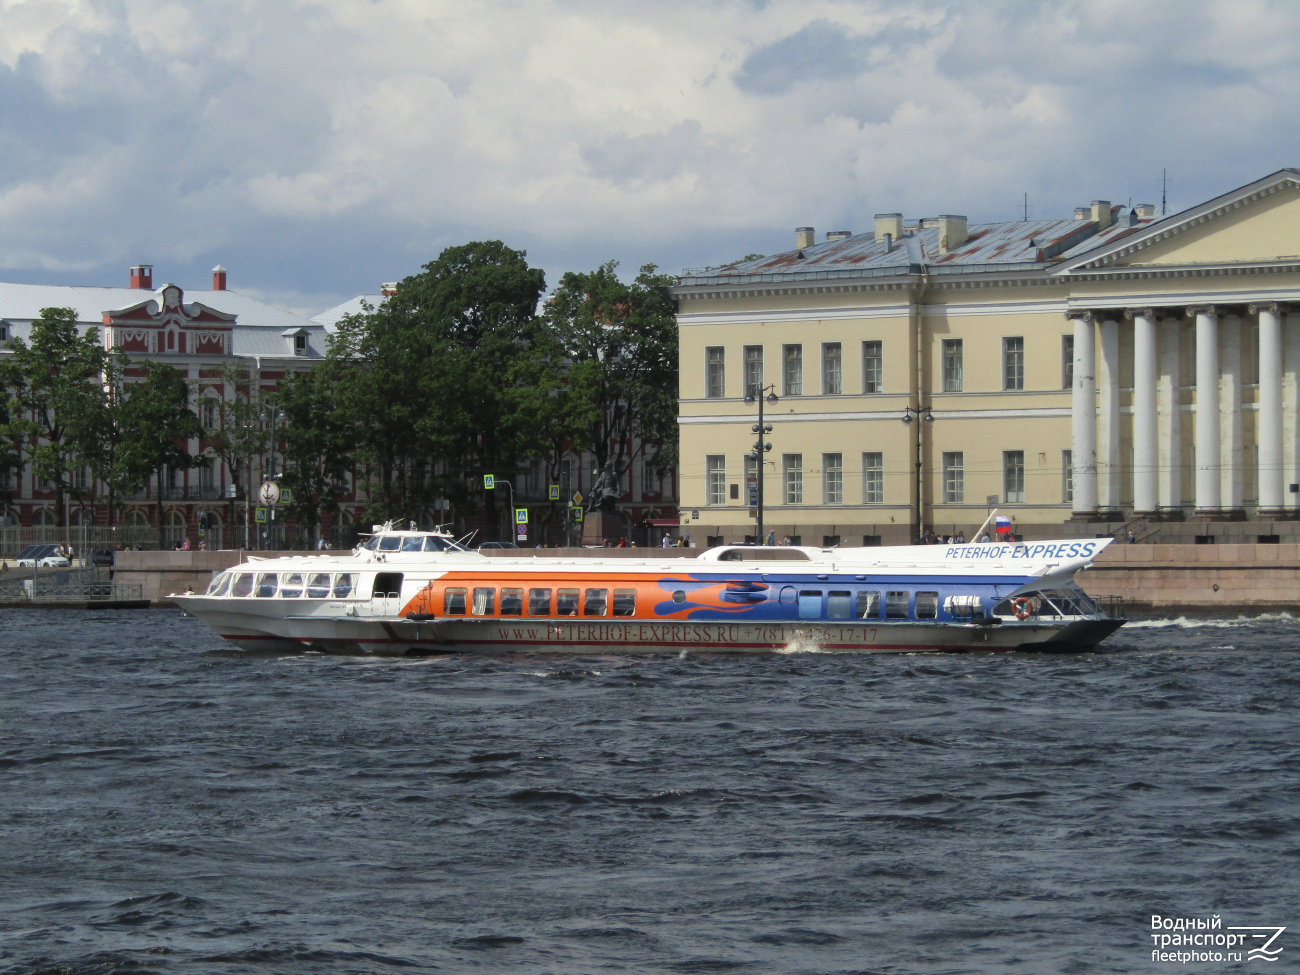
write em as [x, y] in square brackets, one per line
[270, 626]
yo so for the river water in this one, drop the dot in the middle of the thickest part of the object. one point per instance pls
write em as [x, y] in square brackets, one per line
[168, 805]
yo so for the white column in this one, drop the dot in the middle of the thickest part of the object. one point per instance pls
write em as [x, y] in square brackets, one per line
[1169, 469]
[1108, 456]
[1269, 430]
[1231, 446]
[1290, 409]
[1207, 408]
[1145, 430]
[1083, 414]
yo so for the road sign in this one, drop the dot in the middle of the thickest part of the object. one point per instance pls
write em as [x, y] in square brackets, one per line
[521, 531]
[286, 496]
[270, 492]
[554, 492]
[577, 497]
[576, 514]
[489, 482]
[753, 497]
[521, 516]
[259, 515]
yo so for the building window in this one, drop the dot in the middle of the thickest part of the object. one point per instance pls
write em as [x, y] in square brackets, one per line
[792, 359]
[1013, 363]
[954, 477]
[952, 371]
[649, 476]
[715, 466]
[715, 372]
[1067, 476]
[208, 475]
[872, 371]
[873, 478]
[832, 369]
[1067, 361]
[753, 370]
[208, 413]
[81, 479]
[1013, 476]
[792, 465]
[832, 478]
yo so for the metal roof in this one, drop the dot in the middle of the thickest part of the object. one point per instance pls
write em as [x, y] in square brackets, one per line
[23, 302]
[352, 306]
[1025, 245]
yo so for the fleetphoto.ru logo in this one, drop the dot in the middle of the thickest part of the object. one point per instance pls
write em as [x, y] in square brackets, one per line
[1199, 939]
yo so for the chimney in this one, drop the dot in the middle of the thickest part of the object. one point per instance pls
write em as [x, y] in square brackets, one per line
[889, 223]
[1145, 211]
[1080, 213]
[1101, 213]
[218, 278]
[803, 237]
[388, 289]
[833, 235]
[142, 277]
[952, 232]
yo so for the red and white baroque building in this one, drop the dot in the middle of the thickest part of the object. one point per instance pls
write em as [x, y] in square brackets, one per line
[202, 333]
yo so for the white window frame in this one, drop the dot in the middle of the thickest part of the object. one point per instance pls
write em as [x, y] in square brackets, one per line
[954, 477]
[715, 372]
[792, 370]
[832, 368]
[1013, 476]
[953, 366]
[873, 366]
[1013, 363]
[715, 479]
[792, 478]
[873, 477]
[832, 478]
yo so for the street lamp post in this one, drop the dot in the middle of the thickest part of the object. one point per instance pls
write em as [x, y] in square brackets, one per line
[761, 447]
[268, 534]
[927, 417]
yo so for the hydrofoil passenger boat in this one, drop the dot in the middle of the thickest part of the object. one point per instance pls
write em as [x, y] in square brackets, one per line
[419, 592]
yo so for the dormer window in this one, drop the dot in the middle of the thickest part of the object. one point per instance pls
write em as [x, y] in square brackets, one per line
[300, 344]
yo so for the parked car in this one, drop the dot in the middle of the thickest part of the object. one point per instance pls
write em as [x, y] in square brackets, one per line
[101, 558]
[484, 545]
[43, 556]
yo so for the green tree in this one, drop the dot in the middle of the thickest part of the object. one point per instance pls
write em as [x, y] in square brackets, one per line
[621, 342]
[425, 377]
[58, 396]
[158, 425]
[315, 444]
[233, 429]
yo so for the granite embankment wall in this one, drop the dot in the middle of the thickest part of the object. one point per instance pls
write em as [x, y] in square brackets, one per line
[1170, 579]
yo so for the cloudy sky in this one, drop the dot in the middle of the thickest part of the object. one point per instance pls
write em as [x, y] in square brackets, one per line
[318, 148]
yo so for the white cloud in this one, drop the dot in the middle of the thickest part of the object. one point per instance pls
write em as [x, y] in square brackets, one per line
[318, 148]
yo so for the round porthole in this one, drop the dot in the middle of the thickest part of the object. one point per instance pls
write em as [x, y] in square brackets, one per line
[679, 596]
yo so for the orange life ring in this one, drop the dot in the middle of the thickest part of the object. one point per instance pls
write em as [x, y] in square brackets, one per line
[1022, 607]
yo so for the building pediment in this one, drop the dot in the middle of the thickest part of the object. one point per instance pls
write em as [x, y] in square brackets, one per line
[1254, 225]
[167, 307]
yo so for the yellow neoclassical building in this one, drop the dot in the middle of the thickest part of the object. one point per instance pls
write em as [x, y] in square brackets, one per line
[1113, 372]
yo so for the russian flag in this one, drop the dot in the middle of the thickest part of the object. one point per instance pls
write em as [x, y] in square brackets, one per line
[1004, 525]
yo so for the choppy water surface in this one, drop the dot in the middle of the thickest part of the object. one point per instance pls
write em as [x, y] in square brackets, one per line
[168, 805]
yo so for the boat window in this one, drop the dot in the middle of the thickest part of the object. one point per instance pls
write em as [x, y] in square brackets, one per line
[810, 604]
[432, 543]
[566, 602]
[318, 585]
[291, 585]
[868, 605]
[343, 585]
[927, 605]
[596, 602]
[412, 543]
[219, 584]
[266, 584]
[679, 596]
[787, 595]
[962, 605]
[896, 605]
[453, 602]
[539, 602]
[484, 598]
[838, 605]
[512, 602]
[387, 584]
[372, 543]
[390, 543]
[243, 584]
[624, 602]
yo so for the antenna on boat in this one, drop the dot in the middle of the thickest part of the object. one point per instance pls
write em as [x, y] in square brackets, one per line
[465, 539]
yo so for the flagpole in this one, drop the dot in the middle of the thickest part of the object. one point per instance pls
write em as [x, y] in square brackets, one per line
[987, 521]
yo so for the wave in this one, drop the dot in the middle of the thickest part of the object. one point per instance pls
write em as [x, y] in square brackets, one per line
[1194, 623]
